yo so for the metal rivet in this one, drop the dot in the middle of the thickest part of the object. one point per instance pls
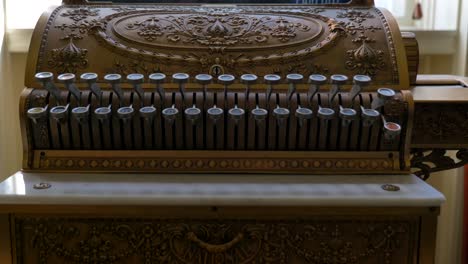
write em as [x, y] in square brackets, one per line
[42, 186]
[390, 188]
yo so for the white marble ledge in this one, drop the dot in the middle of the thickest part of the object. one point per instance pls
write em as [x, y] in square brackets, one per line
[191, 190]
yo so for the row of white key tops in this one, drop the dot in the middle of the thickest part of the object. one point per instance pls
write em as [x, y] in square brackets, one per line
[103, 113]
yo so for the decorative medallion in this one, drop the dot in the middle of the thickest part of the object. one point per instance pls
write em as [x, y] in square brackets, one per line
[68, 58]
[216, 29]
[365, 59]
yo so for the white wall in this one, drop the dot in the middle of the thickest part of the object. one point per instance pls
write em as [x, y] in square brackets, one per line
[450, 225]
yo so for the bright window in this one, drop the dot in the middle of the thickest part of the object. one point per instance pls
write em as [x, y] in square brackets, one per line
[25, 13]
[399, 8]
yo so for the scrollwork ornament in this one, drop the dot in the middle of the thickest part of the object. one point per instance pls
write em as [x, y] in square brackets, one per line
[426, 161]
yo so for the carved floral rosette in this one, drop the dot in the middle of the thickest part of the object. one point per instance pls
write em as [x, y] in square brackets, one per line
[236, 40]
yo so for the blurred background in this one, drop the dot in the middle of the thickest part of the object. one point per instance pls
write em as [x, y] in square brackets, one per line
[441, 29]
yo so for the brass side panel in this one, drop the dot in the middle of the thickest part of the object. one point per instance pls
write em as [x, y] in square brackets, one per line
[412, 54]
[208, 39]
[441, 112]
[440, 125]
[324, 239]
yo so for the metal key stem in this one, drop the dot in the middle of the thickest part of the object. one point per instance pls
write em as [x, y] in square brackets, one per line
[235, 113]
[315, 80]
[193, 114]
[181, 79]
[391, 130]
[159, 79]
[170, 114]
[248, 80]
[215, 113]
[383, 95]
[271, 80]
[226, 80]
[204, 80]
[337, 81]
[303, 114]
[325, 115]
[293, 80]
[47, 81]
[347, 116]
[360, 81]
[68, 79]
[91, 79]
[369, 116]
[137, 80]
[80, 113]
[114, 80]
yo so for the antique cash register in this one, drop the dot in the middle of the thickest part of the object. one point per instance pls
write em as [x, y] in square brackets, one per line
[229, 132]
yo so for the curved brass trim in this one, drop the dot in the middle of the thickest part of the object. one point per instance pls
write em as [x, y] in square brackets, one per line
[399, 49]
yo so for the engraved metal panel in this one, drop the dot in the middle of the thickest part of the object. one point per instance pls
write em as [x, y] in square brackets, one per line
[116, 240]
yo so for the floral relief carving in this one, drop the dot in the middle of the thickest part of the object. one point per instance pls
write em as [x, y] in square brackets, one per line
[217, 29]
[365, 59]
[79, 29]
[355, 15]
[68, 58]
[78, 14]
[353, 28]
[228, 30]
[76, 240]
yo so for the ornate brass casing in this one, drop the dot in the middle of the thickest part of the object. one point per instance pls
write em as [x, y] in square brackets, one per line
[354, 39]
